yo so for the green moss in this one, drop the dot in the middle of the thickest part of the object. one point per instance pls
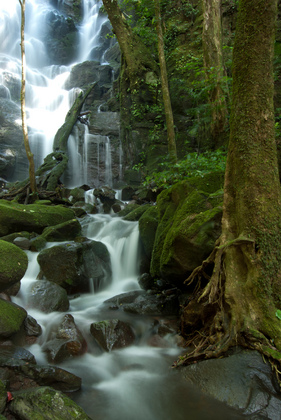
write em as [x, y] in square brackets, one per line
[135, 215]
[148, 223]
[14, 263]
[16, 217]
[11, 318]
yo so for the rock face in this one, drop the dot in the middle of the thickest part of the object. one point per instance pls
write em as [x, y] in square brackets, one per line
[13, 264]
[74, 266]
[243, 381]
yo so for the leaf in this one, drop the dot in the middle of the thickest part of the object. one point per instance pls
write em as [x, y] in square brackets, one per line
[278, 314]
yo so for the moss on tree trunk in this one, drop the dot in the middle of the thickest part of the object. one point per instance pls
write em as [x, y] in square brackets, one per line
[244, 290]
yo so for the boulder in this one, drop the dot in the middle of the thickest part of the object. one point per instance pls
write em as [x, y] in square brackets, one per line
[45, 403]
[16, 217]
[74, 266]
[14, 263]
[112, 334]
[68, 341]
[48, 297]
[66, 231]
[189, 216]
[12, 318]
[242, 380]
[136, 214]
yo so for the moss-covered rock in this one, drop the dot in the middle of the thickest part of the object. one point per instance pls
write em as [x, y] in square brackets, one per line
[66, 231]
[13, 264]
[11, 318]
[16, 217]
[189, 223]
[45, 403]
[74, 265]
[148, 223]
[3, 397]
[135, 214]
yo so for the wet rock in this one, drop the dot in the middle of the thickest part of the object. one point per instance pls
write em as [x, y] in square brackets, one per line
[32, 329]
[22, 243]
[112, 334]
[74, 266]
[10, 355]
[242, 380]
[48, 297]
[14, 263]
[12, 317]
[107, 197]
[136, 214]
[127, 193]
[68, 341]
[43, 403]
[139, 302]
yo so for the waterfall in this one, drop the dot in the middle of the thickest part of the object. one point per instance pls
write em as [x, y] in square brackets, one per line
[47, 100]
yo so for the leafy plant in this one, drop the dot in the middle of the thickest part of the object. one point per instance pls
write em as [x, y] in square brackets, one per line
[192, 165]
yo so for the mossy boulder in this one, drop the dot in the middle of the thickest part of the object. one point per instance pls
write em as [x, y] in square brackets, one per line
[11, 318]
[74, 265]
[16, 217]
[135, 214]
[13, 265]
[189, 223]
[66, 231]
[45, 403]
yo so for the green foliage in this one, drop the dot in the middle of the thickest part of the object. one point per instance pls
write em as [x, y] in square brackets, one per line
[278, 314]
[192, 165]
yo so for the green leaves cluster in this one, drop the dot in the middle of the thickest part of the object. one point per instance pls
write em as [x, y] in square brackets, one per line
[192, 165]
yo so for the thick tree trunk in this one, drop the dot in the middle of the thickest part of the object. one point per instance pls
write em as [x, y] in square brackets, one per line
[165, 86]
[29, 154]
[213, 63]
[244, 291]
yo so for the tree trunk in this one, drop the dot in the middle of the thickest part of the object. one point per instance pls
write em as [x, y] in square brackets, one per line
[213, 63]
[165, 86]
[22, 100]
[244, 291]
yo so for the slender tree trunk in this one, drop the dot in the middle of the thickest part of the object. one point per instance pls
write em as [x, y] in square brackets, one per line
[213, 63]
[165, 86]
[22, 99]
[244, 291]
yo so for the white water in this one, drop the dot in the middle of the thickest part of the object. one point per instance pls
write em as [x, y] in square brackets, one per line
[47, 100]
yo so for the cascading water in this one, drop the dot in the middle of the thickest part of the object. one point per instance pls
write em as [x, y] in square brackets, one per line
[47, 100]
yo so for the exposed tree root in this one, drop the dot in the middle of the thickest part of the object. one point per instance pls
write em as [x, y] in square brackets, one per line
[209, 333]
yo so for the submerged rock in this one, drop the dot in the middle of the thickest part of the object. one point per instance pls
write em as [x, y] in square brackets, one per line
[112, 334]
[45, 403]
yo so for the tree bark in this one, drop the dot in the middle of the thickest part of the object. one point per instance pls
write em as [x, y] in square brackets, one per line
[213, 63]
[165, 86]
[29, 154]
[244, 291]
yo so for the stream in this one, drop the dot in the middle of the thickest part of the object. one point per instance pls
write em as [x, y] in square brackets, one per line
[136, 382]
